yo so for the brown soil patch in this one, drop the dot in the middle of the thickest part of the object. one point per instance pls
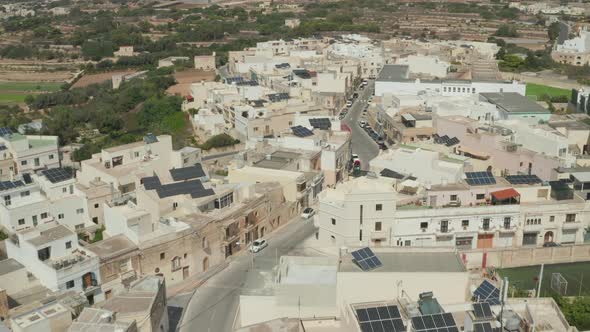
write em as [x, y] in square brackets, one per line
[185, 78]
[87, 80]
[19, 76]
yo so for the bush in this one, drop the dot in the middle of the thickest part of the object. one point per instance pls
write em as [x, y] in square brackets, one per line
[219, 141]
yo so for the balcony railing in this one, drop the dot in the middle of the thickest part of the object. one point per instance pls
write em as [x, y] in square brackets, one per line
[571, 225]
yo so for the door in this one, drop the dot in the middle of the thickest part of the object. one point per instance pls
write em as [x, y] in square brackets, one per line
[568, 236]
[205, 264]
[505, 240]
[529, 239]
[485, 241]
[184, 272]
[548, 237]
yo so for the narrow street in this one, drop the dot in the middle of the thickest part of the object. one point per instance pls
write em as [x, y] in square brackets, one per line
[213, 306]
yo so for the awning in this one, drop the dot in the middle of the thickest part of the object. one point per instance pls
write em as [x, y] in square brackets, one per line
[473, 152]
[505, 194]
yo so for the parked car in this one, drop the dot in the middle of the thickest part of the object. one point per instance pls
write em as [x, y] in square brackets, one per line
[551, 244]
[258, 245]
[362, 123]
[349, 103]
[308, 213]
[355, 95]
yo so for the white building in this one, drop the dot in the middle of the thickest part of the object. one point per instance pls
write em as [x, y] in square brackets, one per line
[427, 65]
[52, 254]
[31, 152]
[396, 79]
[209, 121]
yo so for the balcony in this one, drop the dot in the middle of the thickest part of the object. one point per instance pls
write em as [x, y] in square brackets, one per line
[379, 235]
[534, 227]
[509, 229]
[444, 231]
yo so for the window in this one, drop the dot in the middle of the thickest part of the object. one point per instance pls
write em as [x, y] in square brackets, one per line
[551, 218]
[21, 221]
[486, 223]
[465, 223]
[480, 196]
[36, 161]
[507, 221]
[79, 211]
[454, 198]
[70, 284]
[124, 265]
[332, 238]
[44, 215]
[204, 243]
[25, 193]
[378, 226]
[34, 220]
[23, 162]
[95, 220]
[174, 205]
[60, 216]
[64, 190]
[424, 225]
[360, 234]
[175, 263]
[379, 207]
[224, 201]
[7, 201]
[333, 221]
[69, 245]
[570, 217]
[444, 226]
[44, 254]
[162, 255]
[50, 156]
[136, 154]
[96, 205]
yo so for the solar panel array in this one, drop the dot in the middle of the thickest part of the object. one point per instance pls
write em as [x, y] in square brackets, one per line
[275, 97]
[151, 182]
[435, 323]
[186, 173]
[382, 319]
[487, 292]
[55, 175]
[482, 327]
[523, 179]
[5, 131]
[365, 258]
[482, 310]
[321, 123]
[446, 140]
[193, 187]
[480, 178]
[5, 185]
[301, 131]
[240, 81]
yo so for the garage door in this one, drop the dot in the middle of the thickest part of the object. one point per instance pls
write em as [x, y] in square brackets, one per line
[485, 241]
[568, 235]
[505, 240]
[529, 239]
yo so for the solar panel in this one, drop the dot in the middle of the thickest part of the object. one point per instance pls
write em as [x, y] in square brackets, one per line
[435, 323]
[382, 319]
[275, 97]
[452, 141]
[5, 131]
[320, 123]
[482, 327]
[366, 259]
[479, 178]
[487, 292]
[301, 131]
[482, 310]
[523, 179]
[150, 138]
[5, 185]
[55, 175]
[151, 182]
[185, 173]
[443, 139]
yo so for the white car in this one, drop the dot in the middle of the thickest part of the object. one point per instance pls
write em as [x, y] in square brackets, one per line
[307, 213]
[349, 103]
[363, 124]
[258, 245]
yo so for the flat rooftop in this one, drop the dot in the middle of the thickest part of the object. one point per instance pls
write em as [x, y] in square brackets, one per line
[513, 102]
[116, 245]
[394, 73]
[50, 235]
[9, 265]
[408, 262]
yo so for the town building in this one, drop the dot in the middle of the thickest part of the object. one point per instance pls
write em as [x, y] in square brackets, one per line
[205, 62]
[575, 51]
[29, 152]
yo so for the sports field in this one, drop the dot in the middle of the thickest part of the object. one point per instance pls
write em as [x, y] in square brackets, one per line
[538, 90]
[15, 92]
[576, 275]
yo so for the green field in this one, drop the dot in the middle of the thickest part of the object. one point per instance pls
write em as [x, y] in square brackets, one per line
[15, 92]
[523, 278]
[538, 90]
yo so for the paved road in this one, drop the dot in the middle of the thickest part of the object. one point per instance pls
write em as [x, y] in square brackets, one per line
[362, 144]
[213, 305]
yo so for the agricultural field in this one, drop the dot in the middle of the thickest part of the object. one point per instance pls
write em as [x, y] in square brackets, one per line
[87, 80]
[16, 92]
[538, 90]
[577, 276]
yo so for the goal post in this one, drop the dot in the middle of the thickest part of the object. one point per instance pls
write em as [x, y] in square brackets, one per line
[558, 284]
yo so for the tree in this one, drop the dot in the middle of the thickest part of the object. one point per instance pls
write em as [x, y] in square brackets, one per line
[506, 30]
[553, 30]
